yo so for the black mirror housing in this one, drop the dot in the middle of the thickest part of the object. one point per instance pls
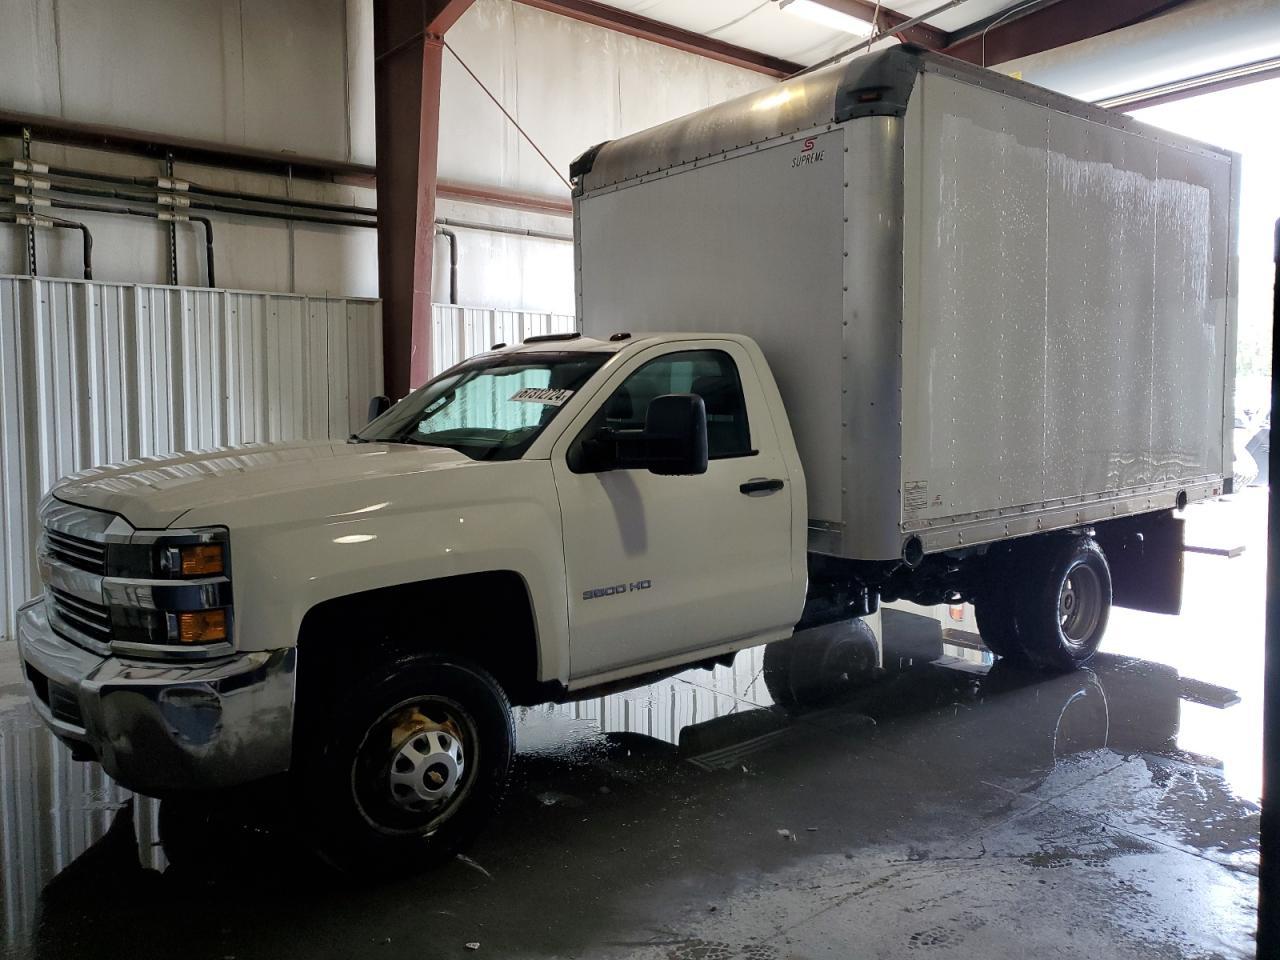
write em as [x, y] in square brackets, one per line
[378, 406]
[674, 440]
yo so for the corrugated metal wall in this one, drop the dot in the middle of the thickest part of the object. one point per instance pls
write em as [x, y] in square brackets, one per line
[461, 332]
[94, 373]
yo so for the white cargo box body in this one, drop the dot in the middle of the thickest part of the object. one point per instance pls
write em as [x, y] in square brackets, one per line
[991, 310]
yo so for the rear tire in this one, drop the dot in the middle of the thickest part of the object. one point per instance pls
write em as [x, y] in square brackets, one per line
[1062, 614]
[996, 615]
[411, 768]
[1048, 602]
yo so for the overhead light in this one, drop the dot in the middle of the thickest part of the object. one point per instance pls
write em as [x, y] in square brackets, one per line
[818, 12]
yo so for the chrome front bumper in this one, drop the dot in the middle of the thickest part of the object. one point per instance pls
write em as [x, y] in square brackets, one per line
[162, 728]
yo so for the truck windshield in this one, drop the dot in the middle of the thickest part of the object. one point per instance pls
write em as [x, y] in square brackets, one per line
[491, 408]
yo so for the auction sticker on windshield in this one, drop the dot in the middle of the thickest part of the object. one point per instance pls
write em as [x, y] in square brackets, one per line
[548, 395]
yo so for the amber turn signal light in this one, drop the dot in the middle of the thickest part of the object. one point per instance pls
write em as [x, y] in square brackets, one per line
[202, 626]
[201, 559]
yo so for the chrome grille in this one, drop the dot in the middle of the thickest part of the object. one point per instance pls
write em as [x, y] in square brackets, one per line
[91, 619]
[88, 555]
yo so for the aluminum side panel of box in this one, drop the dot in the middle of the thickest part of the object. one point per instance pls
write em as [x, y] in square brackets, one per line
[752, 244]
[1065, 329]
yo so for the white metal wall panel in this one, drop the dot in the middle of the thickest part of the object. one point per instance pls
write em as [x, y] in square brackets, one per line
[535, 61]
[94, 373]
[461, 332]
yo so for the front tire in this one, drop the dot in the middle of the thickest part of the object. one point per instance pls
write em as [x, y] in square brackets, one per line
[411, 768]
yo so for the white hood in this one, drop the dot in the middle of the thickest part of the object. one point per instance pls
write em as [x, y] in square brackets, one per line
[154, 493]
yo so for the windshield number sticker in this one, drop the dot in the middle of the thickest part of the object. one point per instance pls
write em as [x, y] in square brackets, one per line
[546, 395]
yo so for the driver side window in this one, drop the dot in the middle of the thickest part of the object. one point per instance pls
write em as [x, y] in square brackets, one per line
[711, 374]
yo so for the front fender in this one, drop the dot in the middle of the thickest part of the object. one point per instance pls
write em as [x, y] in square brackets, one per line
[286, 559]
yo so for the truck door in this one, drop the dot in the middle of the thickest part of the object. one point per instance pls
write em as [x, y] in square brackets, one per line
[661, 566]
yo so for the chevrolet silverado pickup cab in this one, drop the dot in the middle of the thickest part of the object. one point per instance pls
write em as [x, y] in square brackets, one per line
[914, 383]
[537, 521]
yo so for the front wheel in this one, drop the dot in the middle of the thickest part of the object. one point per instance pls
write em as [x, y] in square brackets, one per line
[413, 766]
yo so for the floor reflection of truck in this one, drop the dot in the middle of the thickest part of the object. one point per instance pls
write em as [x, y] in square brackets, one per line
[961, 339]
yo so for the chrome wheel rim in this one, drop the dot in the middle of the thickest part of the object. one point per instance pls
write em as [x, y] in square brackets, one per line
[1080, 605]
[415, 765]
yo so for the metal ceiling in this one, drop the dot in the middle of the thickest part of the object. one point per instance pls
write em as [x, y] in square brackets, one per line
[761, 25]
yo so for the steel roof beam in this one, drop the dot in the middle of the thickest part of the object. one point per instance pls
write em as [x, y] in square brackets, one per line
[1047, 25]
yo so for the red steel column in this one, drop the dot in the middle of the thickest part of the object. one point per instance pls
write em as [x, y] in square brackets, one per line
[408, 55]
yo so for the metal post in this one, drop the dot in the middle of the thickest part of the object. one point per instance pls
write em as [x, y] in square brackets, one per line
[173, 227]
[408, 55]
[1269, 867]
[31, 209]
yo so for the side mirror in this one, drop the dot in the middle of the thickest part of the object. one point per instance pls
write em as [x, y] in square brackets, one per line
[378, 406]
[674, 440]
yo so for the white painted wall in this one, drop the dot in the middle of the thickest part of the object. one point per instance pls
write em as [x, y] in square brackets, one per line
[570, 85]
[266, 74]
[297, 75]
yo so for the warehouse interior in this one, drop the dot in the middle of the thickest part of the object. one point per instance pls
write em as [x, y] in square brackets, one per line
[228, 222]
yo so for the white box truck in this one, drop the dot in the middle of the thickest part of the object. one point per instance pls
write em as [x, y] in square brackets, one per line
[957, 339]
[992, 311]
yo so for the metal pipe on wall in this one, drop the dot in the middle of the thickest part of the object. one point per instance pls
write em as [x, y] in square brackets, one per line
[442, 230]
[144, 190]
[453, 261]
[150, 215]
[87, 237]
[208, 248]
[293, 217]
[499, 228]
[148, 195]
[148, 184]
[29, 223]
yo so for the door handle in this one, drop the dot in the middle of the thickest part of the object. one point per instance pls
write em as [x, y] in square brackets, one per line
[760, 487]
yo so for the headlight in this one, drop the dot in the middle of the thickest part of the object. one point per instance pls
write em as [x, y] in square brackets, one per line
[182, 628]
[170, 589]
[189, 555]
[193, 560]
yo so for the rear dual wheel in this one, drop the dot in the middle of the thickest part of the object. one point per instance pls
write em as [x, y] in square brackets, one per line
[1046, 602]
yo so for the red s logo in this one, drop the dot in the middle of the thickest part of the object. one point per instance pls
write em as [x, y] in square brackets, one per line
[808, 145]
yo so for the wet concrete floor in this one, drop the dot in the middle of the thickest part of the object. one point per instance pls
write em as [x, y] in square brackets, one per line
[949, 808]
